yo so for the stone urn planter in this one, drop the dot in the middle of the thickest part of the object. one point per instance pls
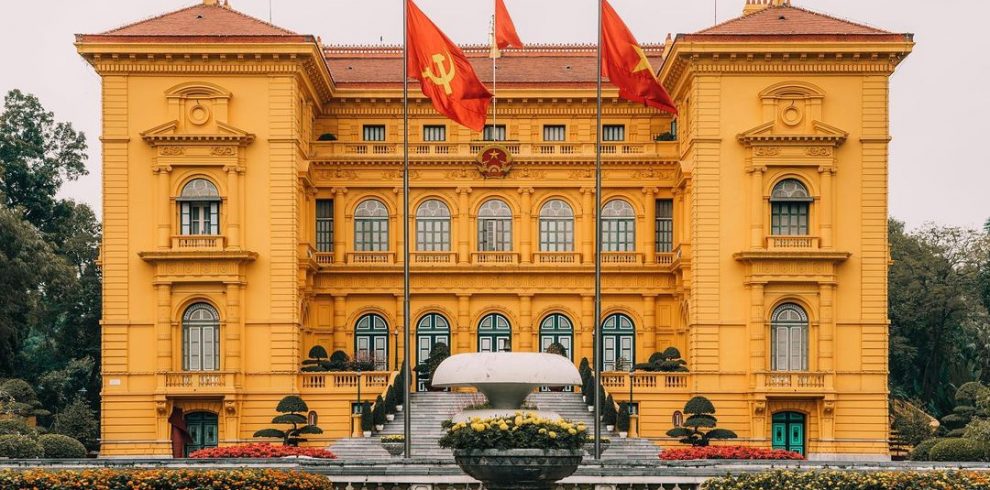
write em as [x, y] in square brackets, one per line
[394, 448]
[523, 469]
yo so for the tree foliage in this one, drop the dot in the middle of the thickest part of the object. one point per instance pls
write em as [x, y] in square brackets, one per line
[700, 428]
[292, 411]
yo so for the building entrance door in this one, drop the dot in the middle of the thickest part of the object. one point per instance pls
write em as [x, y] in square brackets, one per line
[494, 334]
[203, 430]
[788, 431]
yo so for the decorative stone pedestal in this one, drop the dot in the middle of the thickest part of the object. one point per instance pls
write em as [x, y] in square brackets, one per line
[518, 469]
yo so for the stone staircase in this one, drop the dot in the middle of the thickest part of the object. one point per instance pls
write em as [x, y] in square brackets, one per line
[430, 410]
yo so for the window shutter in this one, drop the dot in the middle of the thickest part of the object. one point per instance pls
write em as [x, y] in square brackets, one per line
[797, 348]
[195, 349]
[780, 350]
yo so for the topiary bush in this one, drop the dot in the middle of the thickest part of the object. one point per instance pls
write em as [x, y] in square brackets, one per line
[57, 446]
[291, 410]
[17, 426]
[959, 450]
[622, 419]
[608, 411]
[25, 400]
[78, 421]
[978, 430]
[317, 361]
[921, 450]
[367, 418]
[668, 361]
[20, 447]
[700, 427]
[378, 413]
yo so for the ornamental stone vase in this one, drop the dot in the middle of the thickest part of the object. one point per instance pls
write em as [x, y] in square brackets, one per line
[518, 469]
[394, 448]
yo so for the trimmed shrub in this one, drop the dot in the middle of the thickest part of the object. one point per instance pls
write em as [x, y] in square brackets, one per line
[78, 421]
[921, 450]
[842, 480]
[978, 430]
[913, 426]
[379, 411]
[20, 447]
[622, 419]
[160, 479]
[57, 446]
[367, 418]
[959, 450]
[701, 415]
[608, 411]
[17, 426]
[25, 402]
[390, 400]
[291, 410]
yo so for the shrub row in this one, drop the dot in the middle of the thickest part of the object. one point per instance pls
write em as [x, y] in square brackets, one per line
[261, 450]
[162, 480]
[951, 449]
[52, 446]
[727, 452]
[848, 480]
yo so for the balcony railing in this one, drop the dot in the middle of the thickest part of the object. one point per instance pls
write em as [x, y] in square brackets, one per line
[665, 258]
[324, 258]
[557, 258]
[197, 381]
[618, 381]
[434, 257]
[662, 149]
[378, 258]
[198, 242]
[370, 382]
[622, 258]
[793, 381]
[502, 258]
[792, 243]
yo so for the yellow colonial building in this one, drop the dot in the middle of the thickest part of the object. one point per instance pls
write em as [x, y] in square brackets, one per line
[252, 196]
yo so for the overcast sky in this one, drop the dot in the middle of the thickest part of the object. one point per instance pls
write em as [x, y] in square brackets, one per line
[940, 103]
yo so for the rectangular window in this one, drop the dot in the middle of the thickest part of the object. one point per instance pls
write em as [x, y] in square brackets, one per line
[434, 133]
[554, 132]
[374, 132]
[665, 225]
[494, 235]
[494, 133]
[200, 218]
[618, 235]
[324, 225]
[433, 234]
[370, 235]
[556, 235]
[789, 218]
[614, 132]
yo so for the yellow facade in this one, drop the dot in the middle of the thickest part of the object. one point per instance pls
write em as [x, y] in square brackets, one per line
[246, 115]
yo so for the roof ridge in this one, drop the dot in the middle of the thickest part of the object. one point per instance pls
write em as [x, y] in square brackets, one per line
[223, 7]
[843, 19]
[149, 19]
[767, 11]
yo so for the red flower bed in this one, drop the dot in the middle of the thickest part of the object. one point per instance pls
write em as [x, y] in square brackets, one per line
[261, 450]
[726, 452]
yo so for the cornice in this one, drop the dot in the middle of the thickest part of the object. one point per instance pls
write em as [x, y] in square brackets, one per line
[239, 256]
[816, 256]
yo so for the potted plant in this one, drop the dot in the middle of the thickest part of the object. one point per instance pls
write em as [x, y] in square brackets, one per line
[317, 360]
[367, 420]
[395, 444]
[400, 385]
[584, 369]
[603, 443]
[520, 451]
[608, 414]
[622, 420]
[390, 404]
[378, 414]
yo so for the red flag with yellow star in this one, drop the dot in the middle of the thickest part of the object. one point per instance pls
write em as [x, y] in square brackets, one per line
[626, 65]
[444, 73]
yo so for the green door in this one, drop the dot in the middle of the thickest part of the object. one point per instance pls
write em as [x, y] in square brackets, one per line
[202, 427]
[788, 431]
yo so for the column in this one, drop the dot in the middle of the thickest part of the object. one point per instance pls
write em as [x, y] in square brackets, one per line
[756, 206]
[526, 226]
[232, 212]
[759, 357]
[339, 227]
[395, 225]
[463, 231]
[339, 317]
[651, 334]
[233, 333]
[825, 211]
[163, 327]
[526, 319]
[165, 205]
[826, 329]
[648, 236]
[462, 332]
[588, 224]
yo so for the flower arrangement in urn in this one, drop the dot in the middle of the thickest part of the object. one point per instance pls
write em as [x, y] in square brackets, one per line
[523, 431]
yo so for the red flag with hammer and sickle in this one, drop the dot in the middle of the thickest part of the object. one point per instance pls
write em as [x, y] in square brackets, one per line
[444, 73]
[626, 65]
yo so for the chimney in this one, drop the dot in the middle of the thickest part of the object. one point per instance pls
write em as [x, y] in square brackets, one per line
[211, 3]
[754, 6]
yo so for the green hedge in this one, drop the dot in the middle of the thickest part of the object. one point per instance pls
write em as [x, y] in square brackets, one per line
[959, 450]
[106, 479]
[20, 447]
[850, 480]
[920, 452]
[57, 446]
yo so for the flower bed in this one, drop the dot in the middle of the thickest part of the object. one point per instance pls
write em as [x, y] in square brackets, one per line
[162, 480]
[261, 450]
[522, 431]
[726, 452]
[850, 480]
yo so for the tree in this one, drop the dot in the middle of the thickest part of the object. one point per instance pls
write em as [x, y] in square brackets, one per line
[317, 360]
[291, 410]
[78, 421]
[700, 427]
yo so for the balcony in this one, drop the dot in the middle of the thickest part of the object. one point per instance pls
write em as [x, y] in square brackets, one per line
[497, 258]
[794, 382]
[653, 149]
[665, 258]
[433, 258]
[324, 258]
[557, 258]
[622, 258]
[197, 382]
[369, 382]
[791, 243]
[198, 242]
[371, 258]
[645, 382]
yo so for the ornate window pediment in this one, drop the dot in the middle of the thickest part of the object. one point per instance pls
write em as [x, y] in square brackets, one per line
[198, 113]
[793, 111]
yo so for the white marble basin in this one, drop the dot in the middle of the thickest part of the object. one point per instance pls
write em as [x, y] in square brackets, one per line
[506, 378]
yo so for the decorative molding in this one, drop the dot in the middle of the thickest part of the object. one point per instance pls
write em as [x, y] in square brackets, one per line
[223, 151]
[766, 151]
[818, 151]
[171, 151]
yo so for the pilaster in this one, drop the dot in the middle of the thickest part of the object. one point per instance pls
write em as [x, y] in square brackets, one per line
[463, 226]
[526, 223]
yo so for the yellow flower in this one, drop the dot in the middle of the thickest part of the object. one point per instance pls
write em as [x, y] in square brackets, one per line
[543, 431]
[478, 427]
[553, 435]
[503, 427]
[518, 420]
[571, 431]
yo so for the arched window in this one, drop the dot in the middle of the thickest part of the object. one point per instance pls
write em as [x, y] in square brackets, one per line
[618, 343]
[556, 227]
[789, 332]
[432, 329]
[789, 206]
[371, 341]
[313, 418]
[371, 226]
[433, 226]
[199, 208]
[494, 227]
[618, 227]
[494, 334]
[557, 329]
[201, 338]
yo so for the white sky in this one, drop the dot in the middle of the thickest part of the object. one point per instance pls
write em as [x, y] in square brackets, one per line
[938, 96]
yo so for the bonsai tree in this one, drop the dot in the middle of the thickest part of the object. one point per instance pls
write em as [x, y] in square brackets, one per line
[378, 413]
[557, 348]
[317, 360]
[622, 419]
[668, 361]
[608, 411]
[367, 419]
[20, 399]
[700, 427]
[967, 398]
[291, 412]
[425, 369]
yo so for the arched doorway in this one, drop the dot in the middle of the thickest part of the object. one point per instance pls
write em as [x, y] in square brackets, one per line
[371, 341]
[431, 330]
[618, 343]
[494, 334]
[788, 431]
[203, 430]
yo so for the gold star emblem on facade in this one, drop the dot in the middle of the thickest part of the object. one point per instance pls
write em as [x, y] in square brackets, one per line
[644, 62]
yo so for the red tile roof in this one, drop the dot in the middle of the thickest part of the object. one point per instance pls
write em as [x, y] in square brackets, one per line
[793, 22]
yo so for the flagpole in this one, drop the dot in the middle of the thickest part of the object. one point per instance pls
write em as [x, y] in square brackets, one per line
[407, 413]
[494, 86]
[598, 246]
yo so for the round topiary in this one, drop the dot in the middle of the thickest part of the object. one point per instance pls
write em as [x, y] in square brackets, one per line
[339, 356]
[699, 404]
[968, 393]
[959, 450]
[20, 390]
[20, 447]
[318, 352]
[920, 452]
[16, 426]
[57, 446]
[291, 403]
